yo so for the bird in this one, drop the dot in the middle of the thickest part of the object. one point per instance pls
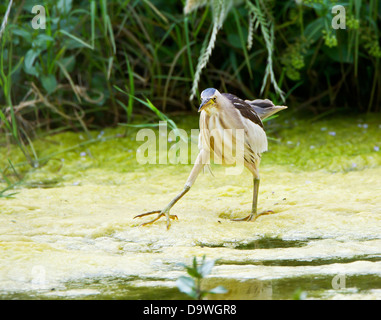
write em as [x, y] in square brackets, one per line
[242, 119]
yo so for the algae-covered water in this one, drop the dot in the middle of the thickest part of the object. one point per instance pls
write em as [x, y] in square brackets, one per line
[69, 232]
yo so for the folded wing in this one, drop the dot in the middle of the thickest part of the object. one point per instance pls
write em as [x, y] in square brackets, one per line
[264, 108]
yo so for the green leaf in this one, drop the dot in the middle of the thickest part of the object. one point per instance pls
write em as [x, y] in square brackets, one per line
[313, 30]
[187, 286]
[234, 40]
[206, 267]
[30, 57]
[49, 83]
[193, 272]
[78, 40]
[131, 89]
[93, 12]
[339, 54]
[27, 36]
[160, 115]
[343, 52]
[64, 6]
[195, 262]
[5, 120]
[41, 41]
[218, 290]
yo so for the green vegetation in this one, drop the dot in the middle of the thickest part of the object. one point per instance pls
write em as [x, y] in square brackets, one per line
[104, 63]
[192, 285]
[74, 94]
[334, 145]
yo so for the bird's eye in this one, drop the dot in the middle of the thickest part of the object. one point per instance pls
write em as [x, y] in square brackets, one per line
[214, 99]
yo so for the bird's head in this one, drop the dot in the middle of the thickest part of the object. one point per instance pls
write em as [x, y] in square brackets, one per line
[209, 98]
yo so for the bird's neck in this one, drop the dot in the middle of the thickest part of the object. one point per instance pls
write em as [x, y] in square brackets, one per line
[212, 110]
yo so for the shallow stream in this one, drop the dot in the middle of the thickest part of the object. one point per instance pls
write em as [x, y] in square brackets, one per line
[69, 232]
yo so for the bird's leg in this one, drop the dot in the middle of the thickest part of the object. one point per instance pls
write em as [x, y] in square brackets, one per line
[254, 211]
[201, 160]
[165, 211]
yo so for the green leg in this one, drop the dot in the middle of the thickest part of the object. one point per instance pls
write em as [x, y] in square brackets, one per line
[165, 211]
[254, 211]
[255, 199]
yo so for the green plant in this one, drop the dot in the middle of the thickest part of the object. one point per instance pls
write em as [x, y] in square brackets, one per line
[10, 184]
[258, 16]
[299, 294]
[333, 59]
[65, 77]
[192, 285]
[160, 115]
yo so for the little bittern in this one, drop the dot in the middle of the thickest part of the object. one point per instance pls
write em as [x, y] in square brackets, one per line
[221, 112]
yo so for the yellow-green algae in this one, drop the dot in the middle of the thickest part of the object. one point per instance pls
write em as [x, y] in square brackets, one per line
[322, 180]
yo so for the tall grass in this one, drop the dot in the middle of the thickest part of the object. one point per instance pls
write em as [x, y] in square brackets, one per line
[65, 76]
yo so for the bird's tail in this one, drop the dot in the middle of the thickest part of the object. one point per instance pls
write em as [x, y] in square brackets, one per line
[264, 108]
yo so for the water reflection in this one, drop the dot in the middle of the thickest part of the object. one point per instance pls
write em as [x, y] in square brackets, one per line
[250, 289]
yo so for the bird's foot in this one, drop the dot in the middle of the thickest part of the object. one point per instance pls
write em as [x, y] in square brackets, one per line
[253, 216]
[161, 213]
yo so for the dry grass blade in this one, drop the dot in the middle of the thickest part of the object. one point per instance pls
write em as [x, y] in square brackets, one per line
[5, 19]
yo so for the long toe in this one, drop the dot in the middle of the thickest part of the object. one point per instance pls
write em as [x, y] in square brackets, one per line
[160, 214]
[147, 213]
[247, 218]
[263, 213]
[152, 221]
[253, 217]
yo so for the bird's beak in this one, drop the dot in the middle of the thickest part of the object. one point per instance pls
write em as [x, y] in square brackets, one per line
[204, 103]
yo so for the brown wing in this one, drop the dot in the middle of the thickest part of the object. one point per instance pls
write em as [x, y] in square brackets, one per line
[264, 108]
[244, 108]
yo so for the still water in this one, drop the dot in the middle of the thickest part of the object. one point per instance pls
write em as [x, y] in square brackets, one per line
[69, 232]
